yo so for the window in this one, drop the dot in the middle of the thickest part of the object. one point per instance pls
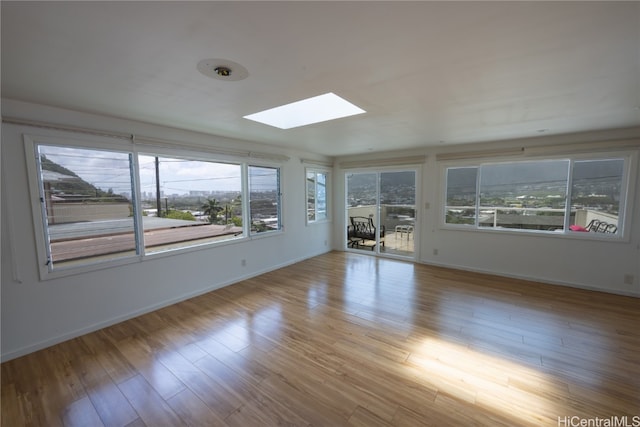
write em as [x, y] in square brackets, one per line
[188, 202]
[87, 204]
[560, 196]
[111, 205]
[317, 182]
[264, 199]
[596, 194]
[524, 195]
[461, 195]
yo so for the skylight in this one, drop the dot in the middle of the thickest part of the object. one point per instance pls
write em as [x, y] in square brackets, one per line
[321, 108]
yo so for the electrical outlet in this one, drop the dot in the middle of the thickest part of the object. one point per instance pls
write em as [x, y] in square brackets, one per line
[435, 252]
[243, 263]
[628, 279]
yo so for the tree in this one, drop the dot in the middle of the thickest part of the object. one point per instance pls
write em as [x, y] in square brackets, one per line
[211, 209]
[233, 211]
[175, 214]
[236, 205]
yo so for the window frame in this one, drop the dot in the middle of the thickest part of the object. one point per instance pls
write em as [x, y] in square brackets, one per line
[627, 194]
[189, 156]
[126, 146]
[445, 194]
[247, 200]
[317, 171]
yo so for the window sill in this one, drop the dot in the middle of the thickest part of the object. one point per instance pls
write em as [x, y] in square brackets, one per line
[574, 235]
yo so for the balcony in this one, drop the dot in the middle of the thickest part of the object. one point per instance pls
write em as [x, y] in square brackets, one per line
[399, 225]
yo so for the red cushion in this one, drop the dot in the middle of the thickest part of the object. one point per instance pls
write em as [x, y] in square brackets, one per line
[577, 228]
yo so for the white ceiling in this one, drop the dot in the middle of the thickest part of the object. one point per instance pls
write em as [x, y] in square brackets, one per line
[427, 73]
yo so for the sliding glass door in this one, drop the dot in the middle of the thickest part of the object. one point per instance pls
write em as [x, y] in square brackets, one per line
[381, 212]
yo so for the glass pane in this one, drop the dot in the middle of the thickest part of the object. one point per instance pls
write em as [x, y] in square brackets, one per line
[595, 195]
[321, 196]
[88, 204]
[362, 209]
[398, 212]
[316, 196]
[311, 196]
[461, 195]
[264, 199]
[525, 195]
[188, 202]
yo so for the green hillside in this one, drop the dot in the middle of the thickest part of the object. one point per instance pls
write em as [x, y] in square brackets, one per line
[77, 189]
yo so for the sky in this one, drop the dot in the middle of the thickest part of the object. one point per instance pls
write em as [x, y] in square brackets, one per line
[110, 170]
[537, 172]
[178, 176]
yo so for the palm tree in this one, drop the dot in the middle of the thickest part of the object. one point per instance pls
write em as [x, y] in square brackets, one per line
[233, 210]
[211, 209]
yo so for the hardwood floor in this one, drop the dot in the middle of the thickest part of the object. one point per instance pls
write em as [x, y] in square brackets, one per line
[346, 339]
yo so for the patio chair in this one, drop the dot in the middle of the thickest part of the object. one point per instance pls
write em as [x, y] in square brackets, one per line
[361, 230]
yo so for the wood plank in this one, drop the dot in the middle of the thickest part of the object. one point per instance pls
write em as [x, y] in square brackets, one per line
[258, 407]
[138, 353]
[151, 407]
[212, 393]
[407, 418]
[105, 396]
[306, 407]
[107, 354]
[362, 417]
[81, 413]
[194, 411]
[137, 423]
[12, 410]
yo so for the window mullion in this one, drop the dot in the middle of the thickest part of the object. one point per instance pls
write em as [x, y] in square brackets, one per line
[246, 200]
[315, 196]
[279, 200]
[43, 209]
[568, 197]
[477, 214]
[138, 226]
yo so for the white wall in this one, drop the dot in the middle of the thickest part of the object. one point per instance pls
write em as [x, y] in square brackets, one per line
[590, 264]
[36, 314]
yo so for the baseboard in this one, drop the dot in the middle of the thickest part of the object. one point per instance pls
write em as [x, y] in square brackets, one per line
[4, 357]
[532, 279]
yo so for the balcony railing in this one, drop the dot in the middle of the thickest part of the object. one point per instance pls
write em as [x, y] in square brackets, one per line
[548, 219]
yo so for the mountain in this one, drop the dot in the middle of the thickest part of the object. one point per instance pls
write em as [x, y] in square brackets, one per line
[75, 188]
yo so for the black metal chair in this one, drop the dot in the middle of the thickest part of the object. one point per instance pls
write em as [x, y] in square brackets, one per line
[362, 229]
[598, 226]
